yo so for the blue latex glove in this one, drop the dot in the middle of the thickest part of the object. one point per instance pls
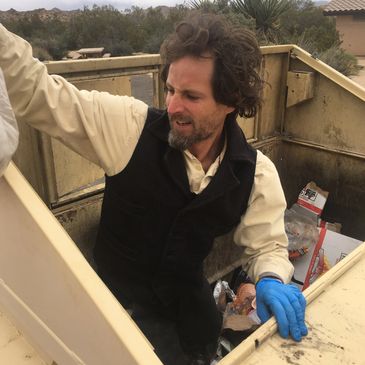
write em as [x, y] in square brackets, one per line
[286, 303]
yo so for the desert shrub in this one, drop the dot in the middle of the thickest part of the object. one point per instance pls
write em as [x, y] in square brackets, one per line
[340, 60]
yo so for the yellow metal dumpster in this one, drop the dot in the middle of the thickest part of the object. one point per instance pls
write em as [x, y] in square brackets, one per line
[57, 301]
[52, 294]
[311, 125]
[335, 319]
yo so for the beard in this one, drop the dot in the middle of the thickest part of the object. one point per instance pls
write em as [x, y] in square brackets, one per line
[184, 142]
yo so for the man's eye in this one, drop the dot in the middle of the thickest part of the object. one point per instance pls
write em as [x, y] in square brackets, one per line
[192, 97]
[169, 90]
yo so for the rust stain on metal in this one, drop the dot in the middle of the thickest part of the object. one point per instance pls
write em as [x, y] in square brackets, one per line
[67, 216]
[298, 354]
[290, 361]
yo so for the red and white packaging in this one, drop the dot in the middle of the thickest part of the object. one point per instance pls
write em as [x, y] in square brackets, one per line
[336, 227]
[311, 201]
[330, 248]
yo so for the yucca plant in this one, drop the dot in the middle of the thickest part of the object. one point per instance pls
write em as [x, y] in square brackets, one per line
[266, 14]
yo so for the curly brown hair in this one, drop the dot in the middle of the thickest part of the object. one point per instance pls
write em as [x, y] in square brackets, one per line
[236, 53]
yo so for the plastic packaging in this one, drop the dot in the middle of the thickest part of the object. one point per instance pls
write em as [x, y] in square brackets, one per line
[220, 293]
[9, 134]
[302, 233]
[239, 313]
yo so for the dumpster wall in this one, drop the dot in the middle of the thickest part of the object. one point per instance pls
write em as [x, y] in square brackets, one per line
[319, 138]
[323, 141]
[54, 297]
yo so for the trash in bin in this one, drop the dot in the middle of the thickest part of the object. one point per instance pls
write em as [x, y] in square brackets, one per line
[239, 313]
[330, 248]
[302, 233]
[311, 201]
[239, 309]
[314, 244]
[332, 226]
[303, 219]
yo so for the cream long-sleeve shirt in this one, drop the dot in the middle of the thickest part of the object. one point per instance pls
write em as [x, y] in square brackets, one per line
[8, 127]
[105, 129]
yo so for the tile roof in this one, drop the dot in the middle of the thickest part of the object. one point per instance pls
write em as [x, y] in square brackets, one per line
[344, 6]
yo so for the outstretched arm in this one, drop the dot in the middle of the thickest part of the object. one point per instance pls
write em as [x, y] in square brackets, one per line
[8, 127]
[101, 127]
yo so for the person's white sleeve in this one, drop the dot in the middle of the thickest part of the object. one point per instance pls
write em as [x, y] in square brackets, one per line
[261, 230]
[9, 134]
[102, 127]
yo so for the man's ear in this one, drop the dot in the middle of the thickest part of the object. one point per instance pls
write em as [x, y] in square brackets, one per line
[229, 109]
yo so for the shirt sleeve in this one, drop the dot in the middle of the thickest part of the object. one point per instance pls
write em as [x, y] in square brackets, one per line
[261, 230]
[8, 128]
[101, 127]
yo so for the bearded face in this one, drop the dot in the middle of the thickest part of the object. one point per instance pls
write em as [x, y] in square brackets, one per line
[196, 119]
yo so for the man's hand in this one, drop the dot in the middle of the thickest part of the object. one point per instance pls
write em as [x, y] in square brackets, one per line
[286, 303]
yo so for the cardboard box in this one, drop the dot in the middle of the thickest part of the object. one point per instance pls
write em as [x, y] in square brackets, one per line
[330, 248]
[311, 201]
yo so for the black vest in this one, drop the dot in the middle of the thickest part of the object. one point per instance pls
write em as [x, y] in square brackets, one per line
[154, 233]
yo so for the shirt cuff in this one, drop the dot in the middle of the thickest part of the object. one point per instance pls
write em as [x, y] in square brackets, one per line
[271, 275]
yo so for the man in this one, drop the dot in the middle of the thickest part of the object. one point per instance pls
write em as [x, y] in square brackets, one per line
[175, 180]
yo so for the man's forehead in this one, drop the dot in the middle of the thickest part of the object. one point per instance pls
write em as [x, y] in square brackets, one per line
[191, 74]
[201, 57]
[192, 65]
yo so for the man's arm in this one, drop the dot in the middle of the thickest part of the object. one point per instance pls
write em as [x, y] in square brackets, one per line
[262, 233]
[261, 230]
[101, 127]
[8, 128]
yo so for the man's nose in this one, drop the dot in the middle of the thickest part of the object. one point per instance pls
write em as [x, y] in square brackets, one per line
[174, 104]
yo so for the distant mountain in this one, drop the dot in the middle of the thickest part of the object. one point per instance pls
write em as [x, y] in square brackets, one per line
[64, 15]
[43, 14]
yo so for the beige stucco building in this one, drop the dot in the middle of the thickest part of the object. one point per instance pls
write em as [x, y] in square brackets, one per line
[350, 23]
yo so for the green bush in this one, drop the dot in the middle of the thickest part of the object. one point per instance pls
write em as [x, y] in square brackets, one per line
[142, 30]
[305, 23]
[41, 54]
[341, 61]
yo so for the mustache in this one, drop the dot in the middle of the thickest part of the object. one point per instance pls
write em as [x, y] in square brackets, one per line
[180, 118]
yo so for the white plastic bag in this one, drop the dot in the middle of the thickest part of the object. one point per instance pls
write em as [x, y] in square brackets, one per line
[302, 233]
[9, 133]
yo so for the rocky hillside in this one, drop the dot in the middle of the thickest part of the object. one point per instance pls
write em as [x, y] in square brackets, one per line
[63, 15]
[43, 14]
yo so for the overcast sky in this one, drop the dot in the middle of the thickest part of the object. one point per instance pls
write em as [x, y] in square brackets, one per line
[22, 5]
